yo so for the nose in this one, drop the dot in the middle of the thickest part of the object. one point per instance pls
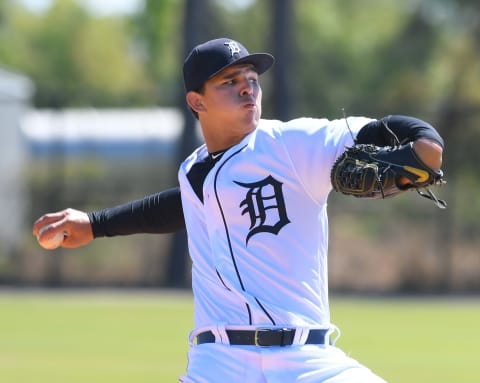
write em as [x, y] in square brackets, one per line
[247, 88]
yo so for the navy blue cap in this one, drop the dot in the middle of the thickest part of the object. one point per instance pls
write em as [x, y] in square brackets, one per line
[208, 59]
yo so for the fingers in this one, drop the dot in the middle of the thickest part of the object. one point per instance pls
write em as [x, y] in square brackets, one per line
[55, 220]
[71, 228]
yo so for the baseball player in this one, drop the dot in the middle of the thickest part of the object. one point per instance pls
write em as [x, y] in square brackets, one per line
[253, 199]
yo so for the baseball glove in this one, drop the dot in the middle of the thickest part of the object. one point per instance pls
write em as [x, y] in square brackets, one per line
[369, 171]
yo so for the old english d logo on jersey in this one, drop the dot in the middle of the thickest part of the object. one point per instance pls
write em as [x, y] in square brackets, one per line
[265, 205]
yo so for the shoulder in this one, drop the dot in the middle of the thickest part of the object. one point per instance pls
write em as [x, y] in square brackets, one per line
[310, 124]
[318, 135]
[198, 154]
[308, 127]
[301, 126]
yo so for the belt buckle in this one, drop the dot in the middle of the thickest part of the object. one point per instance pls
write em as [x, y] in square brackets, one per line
[281, 331]
[259, 331]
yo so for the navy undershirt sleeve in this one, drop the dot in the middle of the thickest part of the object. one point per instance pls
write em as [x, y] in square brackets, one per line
[404, 127]
[157, 213]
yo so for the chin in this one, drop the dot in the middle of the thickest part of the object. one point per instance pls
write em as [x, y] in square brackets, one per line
[253, 123]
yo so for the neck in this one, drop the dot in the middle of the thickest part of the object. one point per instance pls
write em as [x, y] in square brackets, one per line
[215, 146]
[221, 139]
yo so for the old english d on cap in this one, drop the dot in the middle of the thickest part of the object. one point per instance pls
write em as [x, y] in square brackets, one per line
[211, 57]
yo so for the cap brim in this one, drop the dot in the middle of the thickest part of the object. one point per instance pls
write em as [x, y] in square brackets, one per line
[261, 61]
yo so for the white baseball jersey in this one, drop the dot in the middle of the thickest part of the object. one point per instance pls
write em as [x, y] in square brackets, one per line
[259, 239]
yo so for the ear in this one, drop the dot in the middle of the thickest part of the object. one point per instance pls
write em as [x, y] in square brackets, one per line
[195, 101]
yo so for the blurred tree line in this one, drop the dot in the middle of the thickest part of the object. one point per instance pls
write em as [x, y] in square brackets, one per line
[416, 57]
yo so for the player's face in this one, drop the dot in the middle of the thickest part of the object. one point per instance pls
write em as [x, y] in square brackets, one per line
[233, 97]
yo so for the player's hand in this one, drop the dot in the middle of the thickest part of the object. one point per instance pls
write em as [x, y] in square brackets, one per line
[73, 223]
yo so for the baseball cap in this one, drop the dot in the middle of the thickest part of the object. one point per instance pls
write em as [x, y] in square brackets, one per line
[208, 59]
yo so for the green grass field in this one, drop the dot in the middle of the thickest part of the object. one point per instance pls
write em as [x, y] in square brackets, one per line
[48, 337]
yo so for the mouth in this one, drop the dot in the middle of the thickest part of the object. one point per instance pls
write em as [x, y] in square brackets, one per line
[250, 105]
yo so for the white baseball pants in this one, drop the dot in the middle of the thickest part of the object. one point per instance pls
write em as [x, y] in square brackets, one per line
[221, 363]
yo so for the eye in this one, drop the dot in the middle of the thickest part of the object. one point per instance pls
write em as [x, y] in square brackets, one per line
[253, 80]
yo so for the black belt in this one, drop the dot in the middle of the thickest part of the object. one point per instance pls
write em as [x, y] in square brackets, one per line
[265, 337]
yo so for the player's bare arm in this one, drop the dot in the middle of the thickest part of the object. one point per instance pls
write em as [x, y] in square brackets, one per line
[429, 151]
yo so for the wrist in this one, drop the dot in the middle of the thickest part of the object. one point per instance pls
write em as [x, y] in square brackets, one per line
[429, 152]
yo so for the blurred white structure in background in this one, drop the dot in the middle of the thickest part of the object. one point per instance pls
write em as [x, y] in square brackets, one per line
[117, 137]
[15, 95]
[104, 132]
